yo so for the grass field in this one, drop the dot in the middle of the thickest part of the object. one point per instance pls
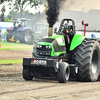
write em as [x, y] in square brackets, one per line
[14, 46]
[18, 61]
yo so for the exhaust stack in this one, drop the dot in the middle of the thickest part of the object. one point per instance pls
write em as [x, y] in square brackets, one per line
[50, 31]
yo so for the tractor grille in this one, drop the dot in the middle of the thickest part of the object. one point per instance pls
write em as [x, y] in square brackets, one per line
[44, 50]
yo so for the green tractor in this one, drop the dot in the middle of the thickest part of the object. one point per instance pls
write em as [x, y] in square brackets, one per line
[40, 31]
[64, 55]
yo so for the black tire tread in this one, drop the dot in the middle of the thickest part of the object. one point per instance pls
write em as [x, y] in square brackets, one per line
[83, 58]
[27, 74]
[22, 36]
[61, 72]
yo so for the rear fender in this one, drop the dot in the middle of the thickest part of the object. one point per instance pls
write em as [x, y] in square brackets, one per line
[76, 41]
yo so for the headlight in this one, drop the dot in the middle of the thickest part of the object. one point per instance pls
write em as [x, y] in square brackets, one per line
[39, 46]
[48, 53]
[48, 46]
[40, 53]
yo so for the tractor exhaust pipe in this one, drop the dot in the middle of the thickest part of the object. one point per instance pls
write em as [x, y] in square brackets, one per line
[50, 31]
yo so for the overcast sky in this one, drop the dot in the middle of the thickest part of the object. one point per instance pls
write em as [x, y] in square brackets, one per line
[82, 5]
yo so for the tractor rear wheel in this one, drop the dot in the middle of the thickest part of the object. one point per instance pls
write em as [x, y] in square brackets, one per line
[8, 38]
[88, 61]
[63, 72]
[27, 74]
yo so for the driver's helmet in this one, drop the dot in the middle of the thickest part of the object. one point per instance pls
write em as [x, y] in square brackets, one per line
[66, 25]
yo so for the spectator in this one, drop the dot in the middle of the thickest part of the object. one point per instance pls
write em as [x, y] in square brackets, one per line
[93, 36]
[5, 34]
[0, 35]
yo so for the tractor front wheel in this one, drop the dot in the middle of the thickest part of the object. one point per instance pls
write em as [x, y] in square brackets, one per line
[63, 72]
[27, 74]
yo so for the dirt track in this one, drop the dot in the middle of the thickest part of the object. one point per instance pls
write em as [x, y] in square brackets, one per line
[14, 54]
[13, 86]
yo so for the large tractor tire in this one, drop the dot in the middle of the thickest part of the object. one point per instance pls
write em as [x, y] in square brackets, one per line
[12, 36]
[24, 36]
[63, 72]
[88, 61]
[9, 36]
[27, 74]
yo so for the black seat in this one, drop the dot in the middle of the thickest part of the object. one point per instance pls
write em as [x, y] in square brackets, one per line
[68, 38]
[67, 43]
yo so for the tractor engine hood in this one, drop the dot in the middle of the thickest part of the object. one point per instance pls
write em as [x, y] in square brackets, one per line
[52, 46]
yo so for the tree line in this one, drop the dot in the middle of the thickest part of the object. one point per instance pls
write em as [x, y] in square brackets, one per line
[17, 9]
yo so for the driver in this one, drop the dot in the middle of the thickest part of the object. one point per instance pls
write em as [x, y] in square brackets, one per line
[67, 28]
[68, 31]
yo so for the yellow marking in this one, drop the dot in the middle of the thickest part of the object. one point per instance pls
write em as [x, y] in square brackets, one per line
[12, 39]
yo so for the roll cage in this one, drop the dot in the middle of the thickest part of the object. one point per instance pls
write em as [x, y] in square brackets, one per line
[70, 22]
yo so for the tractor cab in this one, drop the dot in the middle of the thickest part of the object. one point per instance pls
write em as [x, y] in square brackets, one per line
[22, 22]
[19, 23]
[16, 24]
[67, 28]
[41, 29]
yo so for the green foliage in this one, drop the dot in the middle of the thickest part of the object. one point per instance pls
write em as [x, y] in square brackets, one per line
[8, 20]
[26, 14]
[20, 5]
[2, 1]
[35, 3]
[13, 14]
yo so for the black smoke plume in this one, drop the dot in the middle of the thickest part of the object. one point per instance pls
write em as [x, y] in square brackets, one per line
[53, 11]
